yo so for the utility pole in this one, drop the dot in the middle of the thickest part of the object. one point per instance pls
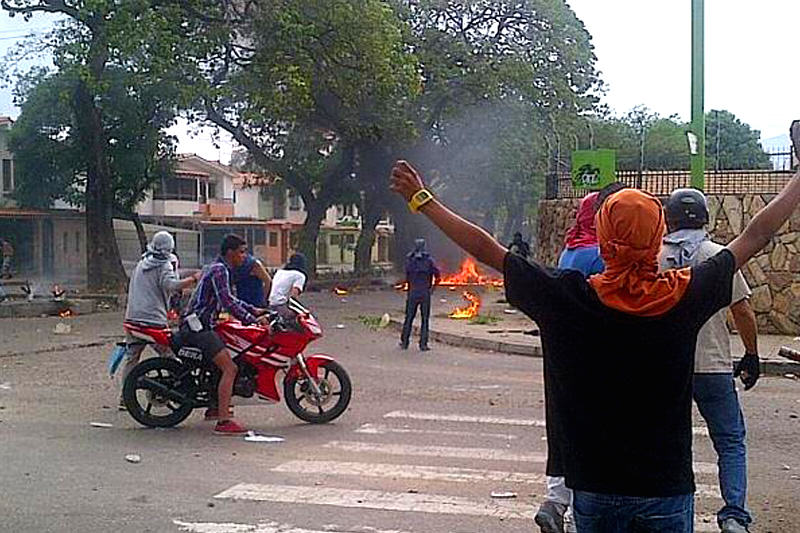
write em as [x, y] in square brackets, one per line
[698, 127]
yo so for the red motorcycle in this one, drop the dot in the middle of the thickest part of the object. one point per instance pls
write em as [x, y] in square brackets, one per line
[163, 391]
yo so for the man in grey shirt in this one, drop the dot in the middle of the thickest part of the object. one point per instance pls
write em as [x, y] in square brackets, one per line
[152, 283]
[688, 244]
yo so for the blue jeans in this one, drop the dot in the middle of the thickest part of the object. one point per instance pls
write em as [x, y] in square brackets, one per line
[609, 513]
[414, 302]
[716, 399]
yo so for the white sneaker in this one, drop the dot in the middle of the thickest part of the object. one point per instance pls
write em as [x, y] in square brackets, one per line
[730, 525]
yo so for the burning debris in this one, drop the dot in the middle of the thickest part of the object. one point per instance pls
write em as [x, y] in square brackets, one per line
[66, 313]
[469, 311]
[338, 291]
[469, 276]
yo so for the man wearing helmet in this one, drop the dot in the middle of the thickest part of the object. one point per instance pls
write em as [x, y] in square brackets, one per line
[688, 244]
[153, 282]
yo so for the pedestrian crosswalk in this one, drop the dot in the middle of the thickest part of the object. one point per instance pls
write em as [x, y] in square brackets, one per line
[428, 451]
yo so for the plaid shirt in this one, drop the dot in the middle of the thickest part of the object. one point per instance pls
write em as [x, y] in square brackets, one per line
[213, 294]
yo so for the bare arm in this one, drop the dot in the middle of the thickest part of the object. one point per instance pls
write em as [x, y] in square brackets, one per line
[745, 320]
[471, 238]
[760, 230]
[261, 273]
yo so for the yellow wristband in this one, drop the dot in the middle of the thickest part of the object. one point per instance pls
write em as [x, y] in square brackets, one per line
[420, 198]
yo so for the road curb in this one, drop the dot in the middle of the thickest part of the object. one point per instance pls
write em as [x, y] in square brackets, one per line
[451, 339]
[60, 347]
[769, 367]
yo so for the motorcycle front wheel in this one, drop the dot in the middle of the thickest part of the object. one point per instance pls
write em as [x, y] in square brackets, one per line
[155, 394]
[335, 392]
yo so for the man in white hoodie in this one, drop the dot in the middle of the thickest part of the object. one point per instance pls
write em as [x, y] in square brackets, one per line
[688, 244]
[153, 282]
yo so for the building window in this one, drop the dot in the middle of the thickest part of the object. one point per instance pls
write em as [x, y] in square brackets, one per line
[294, 201]
[336, 240]
[273, 239]
[212, 190]
[176, 189]
[259, 237]
[234, 196]
[77, 242]
[294, 238]
[8, 176]
[65, 242]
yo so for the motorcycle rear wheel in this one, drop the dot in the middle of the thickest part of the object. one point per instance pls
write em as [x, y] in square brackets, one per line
[307, 407]
[147, 403]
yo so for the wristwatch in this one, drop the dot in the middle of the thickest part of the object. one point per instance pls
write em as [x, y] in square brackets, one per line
[420, 198]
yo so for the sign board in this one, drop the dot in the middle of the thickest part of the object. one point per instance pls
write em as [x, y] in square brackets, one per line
[593, 169]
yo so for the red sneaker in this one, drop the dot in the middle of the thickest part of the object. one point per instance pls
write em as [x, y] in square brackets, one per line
[212, 413]
[229, 427]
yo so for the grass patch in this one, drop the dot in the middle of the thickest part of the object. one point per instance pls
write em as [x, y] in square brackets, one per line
[484, 320]
[371, 321]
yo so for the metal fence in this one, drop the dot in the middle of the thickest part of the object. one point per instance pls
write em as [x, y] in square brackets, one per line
[663, 182]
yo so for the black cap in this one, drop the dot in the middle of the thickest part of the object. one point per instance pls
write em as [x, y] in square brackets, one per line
[686, 209]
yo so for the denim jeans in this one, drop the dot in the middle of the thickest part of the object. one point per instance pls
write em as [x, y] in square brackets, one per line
[716, 399]
[609, 513]
[414, 302]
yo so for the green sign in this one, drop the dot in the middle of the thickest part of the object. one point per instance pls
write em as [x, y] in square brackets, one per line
[593, 169]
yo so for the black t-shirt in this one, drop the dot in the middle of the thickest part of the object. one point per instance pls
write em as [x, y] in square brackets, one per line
[619, 386]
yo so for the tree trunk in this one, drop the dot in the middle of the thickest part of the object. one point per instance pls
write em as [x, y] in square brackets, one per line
[373, 209]
[103, 264]
[307, 243]
[140, 233]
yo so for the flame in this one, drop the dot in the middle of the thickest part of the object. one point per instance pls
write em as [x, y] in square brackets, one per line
[469, 275]
[66, 313]
[471, 310]
[339, 291]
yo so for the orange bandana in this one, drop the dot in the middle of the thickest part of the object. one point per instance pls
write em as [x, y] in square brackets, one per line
[630, 226]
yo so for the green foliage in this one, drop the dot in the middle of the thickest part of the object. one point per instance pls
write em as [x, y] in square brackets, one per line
[484, 320]
[52, 163]
[373, 322]
[732, 144]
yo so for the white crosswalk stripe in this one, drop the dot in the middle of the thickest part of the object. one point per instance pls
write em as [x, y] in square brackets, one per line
[383, 429]
[275, 527]
[524, 422]
[485, 454]
[379, 500]
[424, 473]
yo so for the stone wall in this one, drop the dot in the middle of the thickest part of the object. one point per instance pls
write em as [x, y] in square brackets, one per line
[773, 275]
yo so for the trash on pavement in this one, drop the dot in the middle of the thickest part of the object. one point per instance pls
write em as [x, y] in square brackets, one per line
[385, 319]
[503, 495]
[339, 326]
[101, 425]
[62, 329]
[5, 385]
[510, 311]
[252, 436]
[133, 458]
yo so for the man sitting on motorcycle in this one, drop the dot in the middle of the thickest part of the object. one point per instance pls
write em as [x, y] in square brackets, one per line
[153, 282]
[213, 295]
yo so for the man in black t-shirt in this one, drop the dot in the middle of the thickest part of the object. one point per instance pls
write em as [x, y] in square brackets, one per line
[620, 349]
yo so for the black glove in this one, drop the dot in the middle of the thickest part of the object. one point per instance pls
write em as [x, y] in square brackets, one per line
[749, 368]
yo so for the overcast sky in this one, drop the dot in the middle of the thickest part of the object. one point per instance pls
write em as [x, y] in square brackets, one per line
[644, 53]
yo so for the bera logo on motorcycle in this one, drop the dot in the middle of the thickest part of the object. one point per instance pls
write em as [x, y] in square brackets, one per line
[163, 391]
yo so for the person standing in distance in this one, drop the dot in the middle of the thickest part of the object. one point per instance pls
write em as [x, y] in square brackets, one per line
[421, 274]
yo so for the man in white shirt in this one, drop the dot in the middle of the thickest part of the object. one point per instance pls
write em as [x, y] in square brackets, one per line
[289, 281]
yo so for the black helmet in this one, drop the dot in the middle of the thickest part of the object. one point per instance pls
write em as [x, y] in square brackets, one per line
[686, 209]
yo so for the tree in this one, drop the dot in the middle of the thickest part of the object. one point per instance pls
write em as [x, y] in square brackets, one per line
[312, 74]
[98, 37]
[732, 144]
[51, 162]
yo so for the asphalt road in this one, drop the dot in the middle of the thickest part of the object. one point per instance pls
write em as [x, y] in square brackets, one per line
[428, 438]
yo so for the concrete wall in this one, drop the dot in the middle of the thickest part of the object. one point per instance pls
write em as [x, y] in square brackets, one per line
[773, 275]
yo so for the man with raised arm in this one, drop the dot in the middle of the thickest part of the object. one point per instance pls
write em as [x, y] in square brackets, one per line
[620, 347]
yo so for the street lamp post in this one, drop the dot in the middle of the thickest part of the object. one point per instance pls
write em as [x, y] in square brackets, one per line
[698, 126]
